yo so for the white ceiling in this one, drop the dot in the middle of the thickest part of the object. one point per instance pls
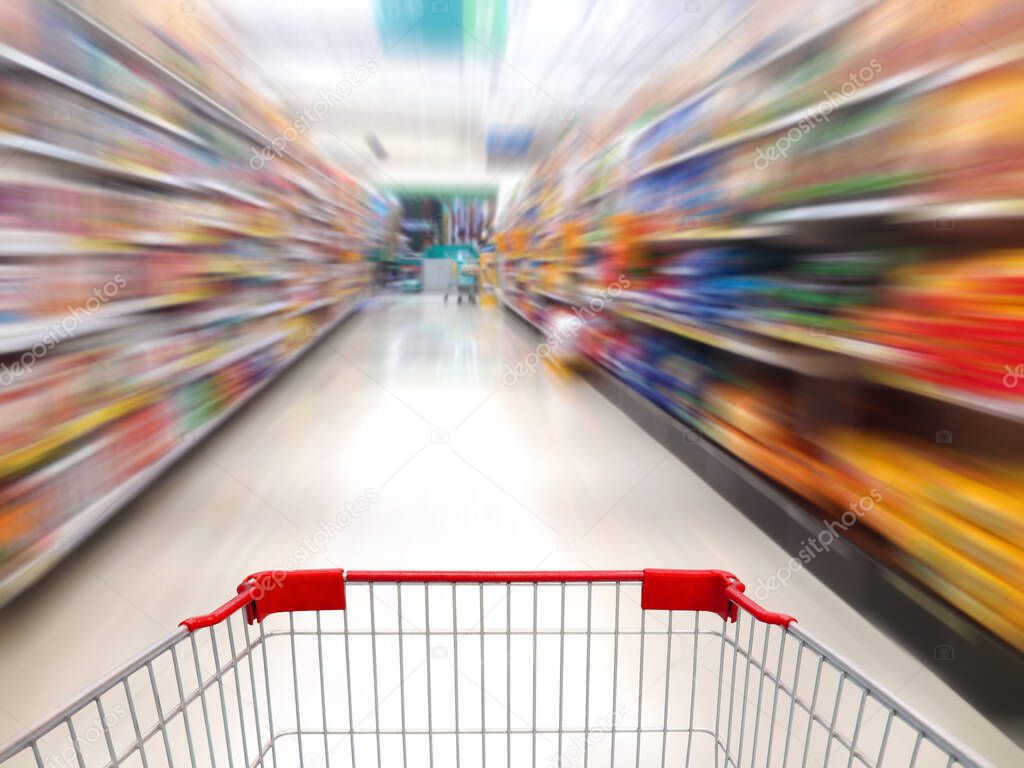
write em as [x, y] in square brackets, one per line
[432, 113]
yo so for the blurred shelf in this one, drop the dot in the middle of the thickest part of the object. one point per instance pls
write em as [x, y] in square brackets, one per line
[48, 151]
[24, 334]
[224, 116]
[865, 95]
[522, 315]
[226, 360]
[115, 42]
[865, 208]
[916, 81]
[209, 362]
[880, 364]
[312, 306]
[15, 59]
[230, 315]
[126, 361]
[17, 243]
[1003, 209]
[791, 357]
[313, 216]
[235, 194]
[561, 298]
[154, 382]
[130, 242]
[828, 341]
[301, 237]
[1012, 411]
[790, 48]
[988, 672]
[62, 435]
[234, 228]
[31, 563]
[712, 235]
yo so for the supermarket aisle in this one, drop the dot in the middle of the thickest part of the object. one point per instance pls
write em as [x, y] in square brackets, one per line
[396, 444]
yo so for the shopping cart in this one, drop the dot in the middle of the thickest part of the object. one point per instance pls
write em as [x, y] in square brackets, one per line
[619, 668]
[465, 281]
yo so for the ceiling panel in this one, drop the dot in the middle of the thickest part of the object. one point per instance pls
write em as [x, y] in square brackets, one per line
[446, 74]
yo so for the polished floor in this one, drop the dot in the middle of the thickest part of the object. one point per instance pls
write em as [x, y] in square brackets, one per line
[406, 419]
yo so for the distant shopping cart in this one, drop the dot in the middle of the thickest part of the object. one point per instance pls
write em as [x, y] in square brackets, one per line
[364, 668]
[465, 281]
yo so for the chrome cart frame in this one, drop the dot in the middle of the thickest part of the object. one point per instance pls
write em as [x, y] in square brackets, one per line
[360, 668]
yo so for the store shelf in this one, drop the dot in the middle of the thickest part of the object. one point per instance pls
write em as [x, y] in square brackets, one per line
[793, 47]
[833, 357]
[22, 243]
[887, 87]
[827, 341]
[115, 42]
[880, 363]
[154, 382]
[712, 235]
[518, 312]
[79, 160]
[914, 289]
[988, 671]
[1000, 407]
[231, 315]
[224, 190]
[223, 361]
[149, 388]
[312, 306]
[561, 298]
[1010, 210]
[29, 565]
[156, 174]
[225, 117]
[25, 457]
[12, 58]
[22, 335]
[914, 82]
[850, 210]
[791, 357]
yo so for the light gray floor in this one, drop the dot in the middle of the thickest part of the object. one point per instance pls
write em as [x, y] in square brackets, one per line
[405, 404]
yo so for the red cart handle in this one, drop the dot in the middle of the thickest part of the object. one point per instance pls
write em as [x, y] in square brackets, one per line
[267, 592]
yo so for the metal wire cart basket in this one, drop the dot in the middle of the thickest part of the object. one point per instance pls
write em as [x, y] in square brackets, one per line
[325, 669]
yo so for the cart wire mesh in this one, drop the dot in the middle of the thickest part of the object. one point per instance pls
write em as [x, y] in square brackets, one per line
[441, 670]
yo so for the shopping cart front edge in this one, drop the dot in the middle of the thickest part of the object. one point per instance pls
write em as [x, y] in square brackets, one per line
[329, 668]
